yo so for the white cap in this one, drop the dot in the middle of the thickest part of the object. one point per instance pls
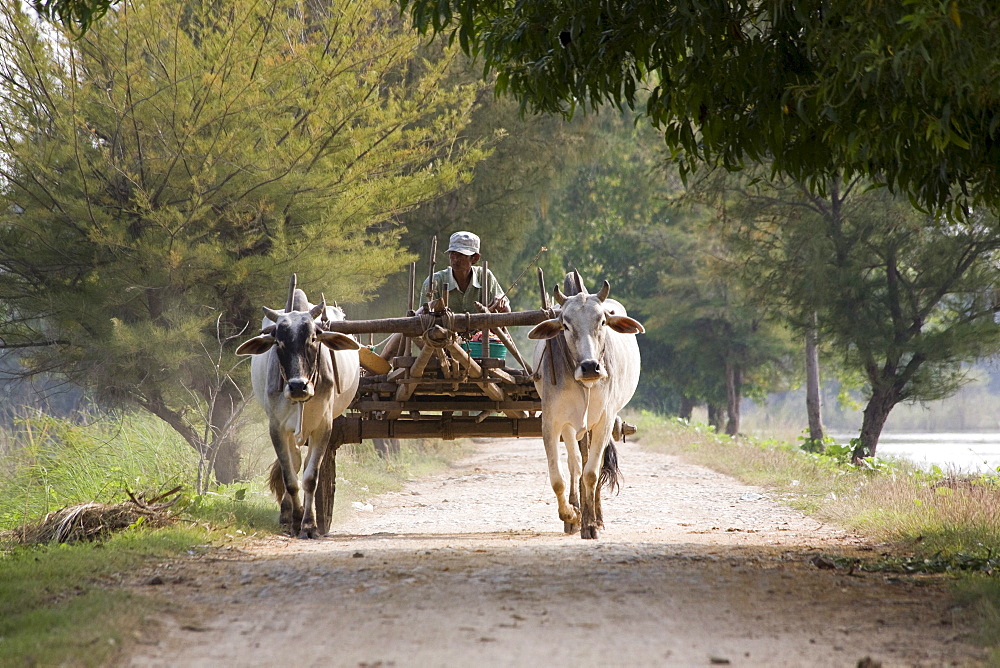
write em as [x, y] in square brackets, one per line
[465, 243]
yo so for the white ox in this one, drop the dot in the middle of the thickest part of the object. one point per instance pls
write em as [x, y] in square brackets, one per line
[303, 377]
[586, 370]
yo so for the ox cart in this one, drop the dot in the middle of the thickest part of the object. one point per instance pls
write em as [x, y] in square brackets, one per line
[441, 386]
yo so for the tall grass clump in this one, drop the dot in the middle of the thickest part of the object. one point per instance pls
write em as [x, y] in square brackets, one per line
[51, 462]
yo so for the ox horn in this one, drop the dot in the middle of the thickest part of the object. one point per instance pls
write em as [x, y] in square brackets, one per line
[271, 314]
[605, 291]
[322, 316]
[291, 293]
[578, 280]
[319, 309]
[560, 297]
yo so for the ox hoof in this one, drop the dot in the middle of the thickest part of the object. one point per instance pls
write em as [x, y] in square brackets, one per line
[588, 533]
[571, 527]
[571, 517]
[309, 532]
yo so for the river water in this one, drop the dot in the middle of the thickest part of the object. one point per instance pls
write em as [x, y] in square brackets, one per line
[961, 451]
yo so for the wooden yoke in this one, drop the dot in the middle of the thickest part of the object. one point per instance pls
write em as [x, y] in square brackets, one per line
[415, 326]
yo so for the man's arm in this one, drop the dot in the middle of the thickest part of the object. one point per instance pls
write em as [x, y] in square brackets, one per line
[498, 300]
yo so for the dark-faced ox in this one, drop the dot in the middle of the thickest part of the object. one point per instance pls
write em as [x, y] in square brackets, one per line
[303, 377]
[586, 371]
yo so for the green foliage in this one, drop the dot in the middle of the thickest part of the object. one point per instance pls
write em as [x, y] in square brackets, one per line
[901, 296]
[50, 463]
[238, 509]
[619, 218]
[900, 92]
[825, 445]
[165, 173]
[528, 161]
[75, 15]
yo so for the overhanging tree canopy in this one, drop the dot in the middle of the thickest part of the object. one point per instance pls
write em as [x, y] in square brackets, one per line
[74, 15]
[904, 92]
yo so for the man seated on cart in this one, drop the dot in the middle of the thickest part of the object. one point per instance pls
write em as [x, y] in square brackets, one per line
[462, 280]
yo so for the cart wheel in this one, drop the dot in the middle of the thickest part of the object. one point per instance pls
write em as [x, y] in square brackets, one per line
[326, 489]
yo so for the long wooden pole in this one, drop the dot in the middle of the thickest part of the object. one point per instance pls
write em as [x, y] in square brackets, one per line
[541, 289]
[416, 325]
[484, 349]
[430, 274]
[407, 342]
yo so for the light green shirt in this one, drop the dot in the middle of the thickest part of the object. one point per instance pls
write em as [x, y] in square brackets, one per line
[458, 301]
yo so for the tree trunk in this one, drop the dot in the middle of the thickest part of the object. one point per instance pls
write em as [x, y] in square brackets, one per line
[879, 405]
[226, 467]
[687, 407]
[715, 416]
[226, 464]
[814, 405]
[734, 391]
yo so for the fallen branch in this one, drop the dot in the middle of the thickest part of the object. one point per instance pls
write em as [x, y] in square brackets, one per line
[95, 521]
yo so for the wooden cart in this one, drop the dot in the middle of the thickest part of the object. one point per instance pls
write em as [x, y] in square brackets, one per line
[437, 389]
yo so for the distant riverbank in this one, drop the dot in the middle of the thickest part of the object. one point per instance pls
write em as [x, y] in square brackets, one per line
[962, 451]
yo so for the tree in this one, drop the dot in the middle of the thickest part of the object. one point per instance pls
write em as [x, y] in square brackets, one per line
[528, 160]
[162, 176]
[901, 295]
[618, 219]
[901, 92]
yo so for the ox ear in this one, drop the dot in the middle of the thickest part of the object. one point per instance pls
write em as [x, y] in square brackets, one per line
[625, 325]
[547, 329]
[257, 345]
[337, 341]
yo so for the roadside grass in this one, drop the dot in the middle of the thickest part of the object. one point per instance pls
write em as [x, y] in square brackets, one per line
[58, 605]
[893, 502]
[937, 521]
[62, 604]
[48, 463]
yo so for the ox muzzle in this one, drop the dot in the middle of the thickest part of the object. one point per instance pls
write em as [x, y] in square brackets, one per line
[299, 389]
[589, 371]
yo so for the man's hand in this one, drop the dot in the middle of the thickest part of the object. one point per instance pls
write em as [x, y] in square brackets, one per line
[499, 305]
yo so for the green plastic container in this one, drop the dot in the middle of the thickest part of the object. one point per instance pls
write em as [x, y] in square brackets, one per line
[475, 348]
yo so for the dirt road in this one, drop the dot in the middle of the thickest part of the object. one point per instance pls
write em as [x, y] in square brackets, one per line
[471, 568]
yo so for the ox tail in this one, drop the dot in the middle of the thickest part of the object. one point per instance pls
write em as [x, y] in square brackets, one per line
[611, 476]
[276, 481]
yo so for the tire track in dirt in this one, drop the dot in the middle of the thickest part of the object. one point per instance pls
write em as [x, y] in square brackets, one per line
[471, 567]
